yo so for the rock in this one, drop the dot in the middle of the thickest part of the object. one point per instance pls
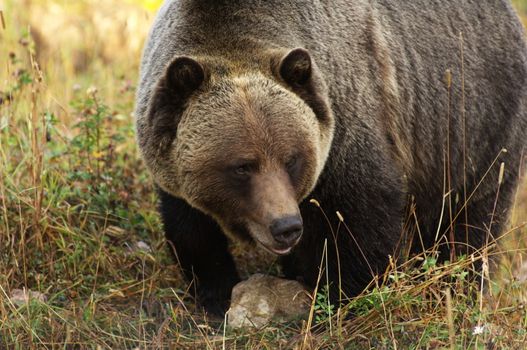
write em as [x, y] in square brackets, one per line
[260, 299]
[22, 296]
[143, 247]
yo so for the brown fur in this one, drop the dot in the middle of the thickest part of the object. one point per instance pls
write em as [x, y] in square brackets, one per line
[356, 90]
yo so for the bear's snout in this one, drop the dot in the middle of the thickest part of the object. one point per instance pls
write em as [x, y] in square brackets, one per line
[287, 230]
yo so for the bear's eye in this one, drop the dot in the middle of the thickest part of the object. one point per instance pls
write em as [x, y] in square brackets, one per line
[291, 162]
[243, 170]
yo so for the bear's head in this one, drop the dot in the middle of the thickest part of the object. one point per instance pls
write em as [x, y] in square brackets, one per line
[245, 146]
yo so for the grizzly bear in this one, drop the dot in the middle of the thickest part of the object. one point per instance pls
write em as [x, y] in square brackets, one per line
[247, 110]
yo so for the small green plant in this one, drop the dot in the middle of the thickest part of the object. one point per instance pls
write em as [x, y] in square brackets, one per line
[429, 263]
[324, 310]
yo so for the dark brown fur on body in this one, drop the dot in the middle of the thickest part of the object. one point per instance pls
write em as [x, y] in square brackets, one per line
[371, 84]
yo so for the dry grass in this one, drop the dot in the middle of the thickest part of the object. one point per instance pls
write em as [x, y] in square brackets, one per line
[78, 222]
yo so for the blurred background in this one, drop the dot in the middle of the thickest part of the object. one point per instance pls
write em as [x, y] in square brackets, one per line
[71, 40]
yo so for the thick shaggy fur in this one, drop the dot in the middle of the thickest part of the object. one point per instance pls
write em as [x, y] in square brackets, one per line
[401, 126]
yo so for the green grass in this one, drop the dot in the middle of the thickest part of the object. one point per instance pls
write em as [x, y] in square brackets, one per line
[77, 208]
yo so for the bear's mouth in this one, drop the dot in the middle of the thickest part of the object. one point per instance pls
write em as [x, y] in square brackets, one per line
[276, 248]
[278, 251]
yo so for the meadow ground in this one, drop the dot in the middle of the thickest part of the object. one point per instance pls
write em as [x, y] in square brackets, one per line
[83, 263]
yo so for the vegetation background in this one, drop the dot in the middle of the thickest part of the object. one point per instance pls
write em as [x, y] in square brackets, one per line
[83, 263]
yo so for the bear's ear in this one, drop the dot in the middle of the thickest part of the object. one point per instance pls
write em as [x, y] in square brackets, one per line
[300, 73]
[182, 77]
[295, 67]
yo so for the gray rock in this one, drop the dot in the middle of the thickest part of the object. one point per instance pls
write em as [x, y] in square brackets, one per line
[23, 296]
[261, 299]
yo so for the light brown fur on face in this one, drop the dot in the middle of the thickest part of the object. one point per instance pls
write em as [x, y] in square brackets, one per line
[234, 122]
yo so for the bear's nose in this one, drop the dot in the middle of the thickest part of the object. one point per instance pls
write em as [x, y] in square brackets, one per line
[287, 230]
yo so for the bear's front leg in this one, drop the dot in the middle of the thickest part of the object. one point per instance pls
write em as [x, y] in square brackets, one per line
[202, 251]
